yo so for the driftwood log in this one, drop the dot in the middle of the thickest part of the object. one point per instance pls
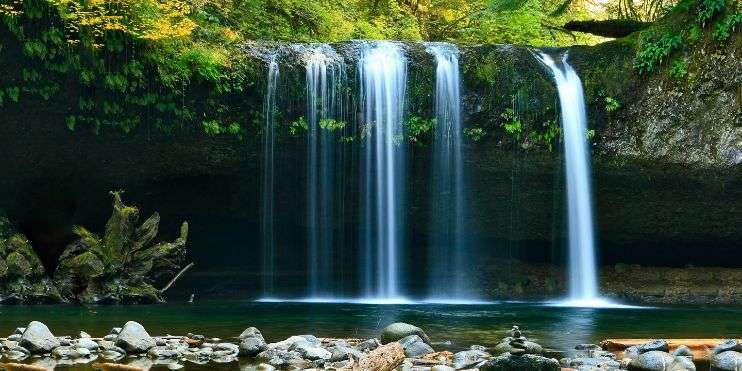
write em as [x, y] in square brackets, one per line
[384, 358]
[614, 28]
[699, 347]
[20, 367]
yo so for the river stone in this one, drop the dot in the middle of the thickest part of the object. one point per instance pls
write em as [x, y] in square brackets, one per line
[526, 362]
[442, 368]
[344, 352]
[631, 352]
[594, 362]
[281, 358]
[15, 337]
[468, 358]
[397, 331]
[656, 345]
[162, 352]
[38, 339]
[683, 351]
[265, 367]
[251, 332]
[414, 346]
[62, 352]
[87, 343]
[251, 346]
[79, 352]
[368, 345]
[115, 331]
[726, 361]
[134, 338]
[310, 351]
[84, 334]
[17, 353]
[653, 360]
[286, 344]
[727, 345]
[506, 347]
[681, 363]
[229, 347]
[19, 330]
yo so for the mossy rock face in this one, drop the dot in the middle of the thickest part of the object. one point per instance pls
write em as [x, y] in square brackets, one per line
[23, 279]
[123, 265]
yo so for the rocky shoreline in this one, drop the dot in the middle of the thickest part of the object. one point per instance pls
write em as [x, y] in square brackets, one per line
[399, 346]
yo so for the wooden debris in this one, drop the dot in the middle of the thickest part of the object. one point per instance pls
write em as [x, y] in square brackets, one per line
[115, 367]
[384, 358]
[192, 343]
[20, 367]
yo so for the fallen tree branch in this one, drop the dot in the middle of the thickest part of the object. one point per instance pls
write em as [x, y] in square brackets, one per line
[608, 28]
[172, 281]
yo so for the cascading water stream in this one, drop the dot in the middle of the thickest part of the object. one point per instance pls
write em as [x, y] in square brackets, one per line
[383, 75]
[267, 234]
[583, 278]
[447, 280]
[325, 75]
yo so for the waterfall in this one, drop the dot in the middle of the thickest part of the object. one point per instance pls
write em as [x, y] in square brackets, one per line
[446, 253]
[325, 75]
[267, 236]
[382, 70]
[583, 278]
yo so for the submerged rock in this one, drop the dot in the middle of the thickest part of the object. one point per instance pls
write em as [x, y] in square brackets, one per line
[368, 345]
[38, 339]
[526, 362]
[399, 330]
[134, 338]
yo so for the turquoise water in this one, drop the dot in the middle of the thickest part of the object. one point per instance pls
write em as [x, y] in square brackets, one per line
[451, 326]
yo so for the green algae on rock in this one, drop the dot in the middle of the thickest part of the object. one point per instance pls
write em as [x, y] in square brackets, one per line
[121, 266]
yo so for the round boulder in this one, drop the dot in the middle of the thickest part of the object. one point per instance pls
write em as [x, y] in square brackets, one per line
[399, 330]
[526, 362]
[726, 361]
[134, 338]
[38, 339]
[654, 360]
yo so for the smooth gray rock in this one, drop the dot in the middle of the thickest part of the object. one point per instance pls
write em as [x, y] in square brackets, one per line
[88, 344]
[594, 362]
[286, 344]
[368, 345]
[134, 338]
[727, 345]
[468, 358]
[726, 361]
[78, 352]
[526, 362]
[38, 339]
[15, 337]
[399, 330]
[683, 351]
[441, 368]
[84, 334]
[62, 352]
[163, 352]
[251, 332]
[681, 363]
[505, 346]
[251, 346]
[115, 331]
[653, 360]
[19, 330]
[281, 358]
[656, 345]
[310, 351]
[228, 347]
[342, 352]
[414, 346]
[631, 352]
[17, 353]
